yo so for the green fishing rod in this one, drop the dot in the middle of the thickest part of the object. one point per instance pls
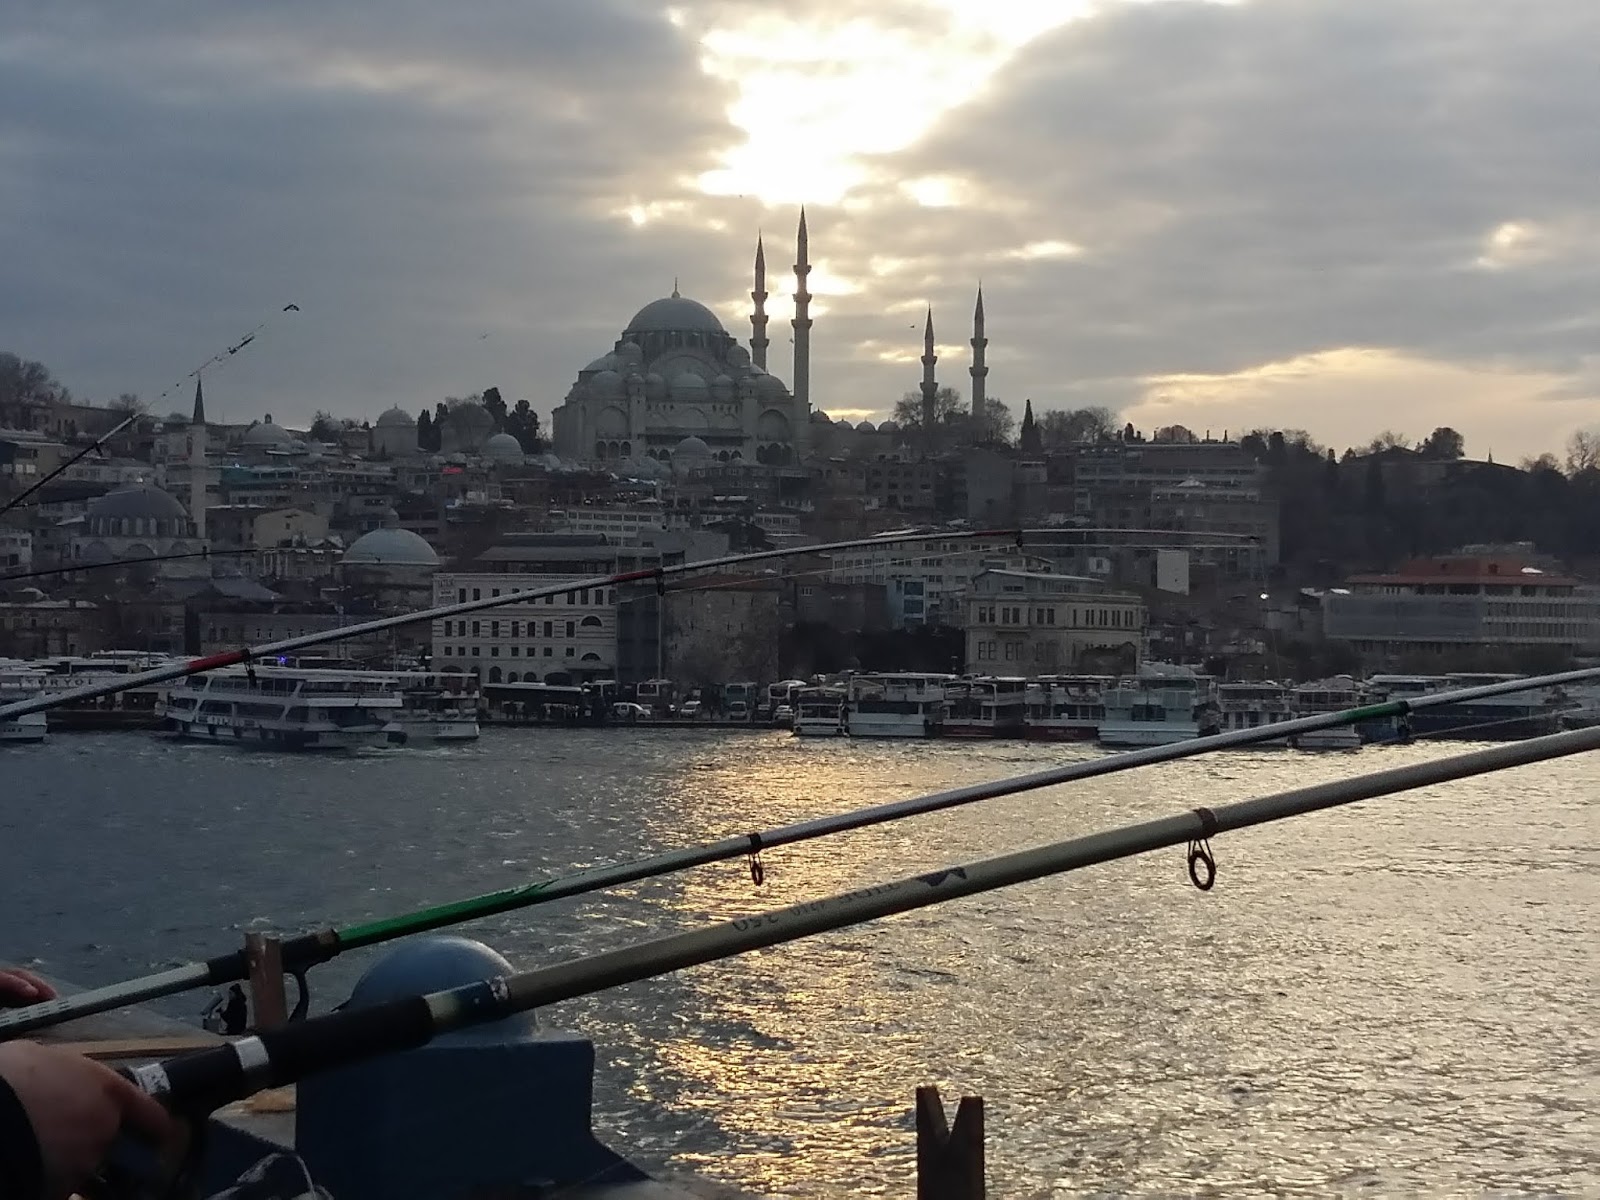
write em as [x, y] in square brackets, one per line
[307, 950]
[200, 1082]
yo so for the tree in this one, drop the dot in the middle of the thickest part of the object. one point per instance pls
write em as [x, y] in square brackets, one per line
[426, 437]
[994, 425]
[496, 407]
[23, 380]
[130, 405]
[1583, 451]
[1070, 426]
[1443, 443]
[1388, 440]
[1545, 462]
[522, 423]
[323, 428]
[947, 408]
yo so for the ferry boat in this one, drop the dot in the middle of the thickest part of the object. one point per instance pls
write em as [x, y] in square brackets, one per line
[1161, 705]
[20, 681]
[902, 705]
[1064, 708]
[1251, 705]
[988, 706]
[437, 706]
[819, 712]
[289, 708]
[1325, 696]
[1508, 717]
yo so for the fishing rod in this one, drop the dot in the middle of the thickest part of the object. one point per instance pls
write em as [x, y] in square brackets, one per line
[658, 575]
[60, 467]
[123, 562]
[226, 352]
[308, 950]
[200, 1082]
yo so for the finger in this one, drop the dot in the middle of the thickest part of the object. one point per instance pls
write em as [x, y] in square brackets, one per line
[142, 1112]
[15, 985]
[42, 990]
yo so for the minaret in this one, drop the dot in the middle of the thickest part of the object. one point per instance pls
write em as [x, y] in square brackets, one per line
[197, 461]
[929, 387]
[979, 369]
[802, 342]
[758, 319]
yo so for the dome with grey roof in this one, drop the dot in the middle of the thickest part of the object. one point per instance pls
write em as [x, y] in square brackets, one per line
[394, 418]
[503, 447]
[139, 500]
[390, 548]
[691, 447]
[674, 314]
[264, 435]
[866, 427]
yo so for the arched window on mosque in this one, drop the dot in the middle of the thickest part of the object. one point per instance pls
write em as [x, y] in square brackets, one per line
[494, 674]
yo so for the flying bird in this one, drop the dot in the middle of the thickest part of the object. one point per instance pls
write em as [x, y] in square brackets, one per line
[291, 308]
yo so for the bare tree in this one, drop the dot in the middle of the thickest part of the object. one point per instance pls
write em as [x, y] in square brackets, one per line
[1070, 426]
[1388, 440]
[947, 409]
[1583, 451]
[1443, 442]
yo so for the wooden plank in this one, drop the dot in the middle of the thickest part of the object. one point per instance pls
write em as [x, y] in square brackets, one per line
[269, 1006]
[949, 1157]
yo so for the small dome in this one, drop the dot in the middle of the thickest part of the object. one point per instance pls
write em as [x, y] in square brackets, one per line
[674, 314]
[266, 435]
[606, 383]
[889, 427]
[722, 381]
[138, 500]
[818, 417]
[390, 548]
[394, 418]
[866, 427]
[655, 387]
[502, 447]
[689, 380]
[606, 362]
[691, 447]
[770, 385]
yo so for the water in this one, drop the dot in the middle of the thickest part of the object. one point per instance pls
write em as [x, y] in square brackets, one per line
[1399, 996]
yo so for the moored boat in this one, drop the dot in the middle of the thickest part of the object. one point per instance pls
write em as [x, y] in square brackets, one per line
[19, 681]
[1331, 695]
[819, 712]
[899, 705]
[987, 706]
[287, 708]
[1161, 705]
[1064, 708]
[1250, 705]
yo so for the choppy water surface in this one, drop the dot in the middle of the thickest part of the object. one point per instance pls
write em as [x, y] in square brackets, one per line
[1399, 996]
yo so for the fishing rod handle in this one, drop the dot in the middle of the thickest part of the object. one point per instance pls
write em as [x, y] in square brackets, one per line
[200, 1082]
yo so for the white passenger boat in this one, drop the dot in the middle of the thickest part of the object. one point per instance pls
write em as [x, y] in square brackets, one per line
[1325, 696]
[19, 681]
[1064, 708]
[1161, 705]
[898, 705]
[988, 706]
[819, 712]
[289, 708]
[437, 706]
[1252, 705]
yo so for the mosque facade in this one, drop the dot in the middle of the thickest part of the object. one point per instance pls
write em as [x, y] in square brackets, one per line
[678, 383]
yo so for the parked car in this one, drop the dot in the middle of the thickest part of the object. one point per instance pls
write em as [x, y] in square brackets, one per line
[626, 710]
[690, 709]
[783, 715]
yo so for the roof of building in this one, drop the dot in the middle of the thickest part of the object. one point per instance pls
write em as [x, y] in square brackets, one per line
[139, 500]
[674, 314]
[1473, 570]
[394, 418]
[503, 447]
[265, 433]
[391, 548]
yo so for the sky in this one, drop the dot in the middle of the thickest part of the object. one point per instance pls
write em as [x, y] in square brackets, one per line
[1343, 216]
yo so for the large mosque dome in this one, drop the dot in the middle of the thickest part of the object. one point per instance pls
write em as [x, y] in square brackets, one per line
[503, 447]
[674, 314]
[390, 547]
[396, 418]
[139, 501]
[264, 435]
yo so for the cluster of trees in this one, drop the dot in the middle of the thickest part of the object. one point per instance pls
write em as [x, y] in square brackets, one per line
[520, 421]
[996, 425]
[1394, 499]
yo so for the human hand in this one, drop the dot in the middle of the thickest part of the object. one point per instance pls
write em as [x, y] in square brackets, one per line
[77, 1107]
[19, 987]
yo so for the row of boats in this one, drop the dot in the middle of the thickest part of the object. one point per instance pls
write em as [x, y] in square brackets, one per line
[1163, 704]
[284, 705]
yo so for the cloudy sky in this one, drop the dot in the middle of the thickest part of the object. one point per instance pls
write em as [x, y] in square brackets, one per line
[1337, 215]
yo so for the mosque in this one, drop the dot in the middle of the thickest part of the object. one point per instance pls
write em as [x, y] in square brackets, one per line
[677, 384]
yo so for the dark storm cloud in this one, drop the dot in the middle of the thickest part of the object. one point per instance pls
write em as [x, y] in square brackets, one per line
[413, 178]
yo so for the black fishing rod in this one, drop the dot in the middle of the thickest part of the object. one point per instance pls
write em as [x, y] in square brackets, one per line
[200, 1082]
[60, 467]
[658, 575]
[307, 950]
[122, 562]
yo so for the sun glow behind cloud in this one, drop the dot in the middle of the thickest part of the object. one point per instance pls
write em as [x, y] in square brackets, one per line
[814, 98]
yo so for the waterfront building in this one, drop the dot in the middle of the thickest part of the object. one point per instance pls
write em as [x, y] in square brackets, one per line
[1031, 623]
[926, 583]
